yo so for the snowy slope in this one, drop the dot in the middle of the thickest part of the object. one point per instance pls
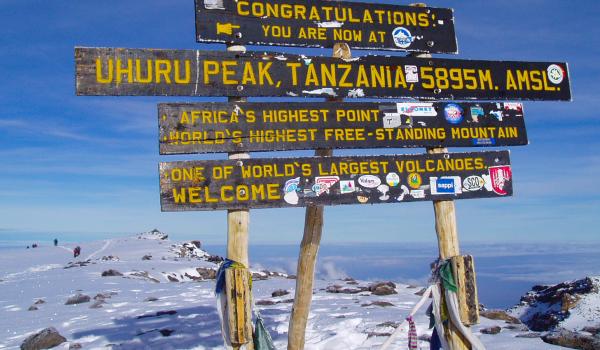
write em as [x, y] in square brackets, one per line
[145, 309]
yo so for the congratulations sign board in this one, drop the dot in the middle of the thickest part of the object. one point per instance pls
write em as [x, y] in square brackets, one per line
[143, 72]
[295, 182]
[317, 23]
[245, 127]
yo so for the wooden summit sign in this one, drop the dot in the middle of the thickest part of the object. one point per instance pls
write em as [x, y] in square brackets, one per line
[244, 127]
[296, 182]
[143, 72]
[318, 23]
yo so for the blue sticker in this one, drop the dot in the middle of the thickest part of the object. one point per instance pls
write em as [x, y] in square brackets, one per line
[484, 142]
[453, 113]
[445, 185]
[402, 37]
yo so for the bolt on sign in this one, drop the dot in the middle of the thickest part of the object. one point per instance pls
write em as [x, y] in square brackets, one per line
[318, 23]
[297, 182]
[143, 72]
[244, 127]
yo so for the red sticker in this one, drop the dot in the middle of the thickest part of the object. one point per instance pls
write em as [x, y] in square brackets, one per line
[500, 177]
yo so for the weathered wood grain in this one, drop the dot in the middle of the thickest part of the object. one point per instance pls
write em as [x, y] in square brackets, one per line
[245, 127]
[318, 23]
[151, 72]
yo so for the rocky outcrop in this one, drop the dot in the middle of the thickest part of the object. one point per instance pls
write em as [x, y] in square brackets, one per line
[574, 340]
[545, 307]
[111, 273]
[78, 299]
[383, 288]
[279, 293]
[491, 330]
[45, 339]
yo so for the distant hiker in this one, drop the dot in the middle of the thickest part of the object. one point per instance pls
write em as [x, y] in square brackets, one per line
[76, 251]
[27, 247]
[34, 245]
[55, 242]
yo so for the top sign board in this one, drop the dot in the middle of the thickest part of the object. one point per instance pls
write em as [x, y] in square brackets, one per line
[319, 23]
[148, 72]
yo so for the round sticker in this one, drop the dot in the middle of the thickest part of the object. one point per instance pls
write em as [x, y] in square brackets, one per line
[555, 74]
[369, 181]
[414, 180]
[402, 37]
[453, 113]
[392, 179]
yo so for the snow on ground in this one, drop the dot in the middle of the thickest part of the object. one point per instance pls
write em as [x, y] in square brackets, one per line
[143, 309]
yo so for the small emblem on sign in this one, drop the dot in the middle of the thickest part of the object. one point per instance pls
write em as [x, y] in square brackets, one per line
[392, 179]
[347, 186]
[417, 193]
[402, 37]
[384, 192]
[555, 74]
[445, 185]
[500, 177]
[324, 183]
[416, 109]
[414, 180]
[473, 183]
[369, 181]
[453, 113]
[412, 74]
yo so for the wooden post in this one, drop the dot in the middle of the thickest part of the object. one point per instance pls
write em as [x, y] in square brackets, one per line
[309, 249]
[447, 234]
[237, 250]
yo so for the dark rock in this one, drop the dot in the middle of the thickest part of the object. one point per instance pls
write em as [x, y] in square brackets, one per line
[39, 301]
[279, 293]
[291, 277]
[265, 302]
[147, 257]
[563, 337]
[378, 303]
[144, 275]
[206, 273]
[592, 329]
[378, 334]
[388, 324]
[74, 346]
[111, 273]
[383, 288]
[102, 296]
[412, 286]
[151, 299]
[517, 327]
[491, 330]
[259, 277]
[529, 335]
[215, 259]
[541, 322]
[32, 308]
[286, 301]
[110, 258]
[336, 288]
[499, 315]
[166, 332]
[172, 279]
[78, 299]
[45, 339]
[569, 301]
[197, 244]
[554, 294]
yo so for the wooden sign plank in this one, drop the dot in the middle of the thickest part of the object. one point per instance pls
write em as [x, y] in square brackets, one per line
[147, 72]
[319, 23]
[297, 182]
[246, 127]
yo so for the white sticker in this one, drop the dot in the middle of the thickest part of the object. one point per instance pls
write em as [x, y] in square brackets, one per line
[392, 179]
[402, 37]
[473, 183]
[416, 109]
[383, 190]
[392, 120]
[412, 74]
[347, 186]
[417, 193]
[555, 74]
[369, 181]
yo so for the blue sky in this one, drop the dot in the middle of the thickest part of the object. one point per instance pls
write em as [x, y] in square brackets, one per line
[88, 165]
